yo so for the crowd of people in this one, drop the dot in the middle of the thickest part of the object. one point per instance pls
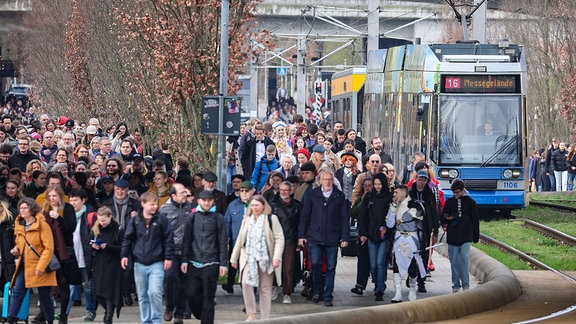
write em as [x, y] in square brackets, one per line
[553, 168]
[101, 205]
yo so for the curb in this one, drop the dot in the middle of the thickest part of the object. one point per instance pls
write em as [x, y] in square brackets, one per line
[499, 287]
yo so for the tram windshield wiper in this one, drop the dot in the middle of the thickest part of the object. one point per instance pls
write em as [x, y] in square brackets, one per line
[501, 149]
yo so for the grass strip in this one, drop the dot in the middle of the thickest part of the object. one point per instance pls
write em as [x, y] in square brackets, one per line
[547, 250]
[559, 220]
[509, 260]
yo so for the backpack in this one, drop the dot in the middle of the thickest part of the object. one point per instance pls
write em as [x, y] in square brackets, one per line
[90, 218]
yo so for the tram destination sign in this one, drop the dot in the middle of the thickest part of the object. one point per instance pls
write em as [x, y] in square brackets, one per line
[480, 83]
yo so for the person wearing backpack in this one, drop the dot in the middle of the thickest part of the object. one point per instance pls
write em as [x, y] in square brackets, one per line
[149, 240]
[177, 210]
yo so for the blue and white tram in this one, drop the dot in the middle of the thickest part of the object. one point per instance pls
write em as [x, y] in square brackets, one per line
[463, 105]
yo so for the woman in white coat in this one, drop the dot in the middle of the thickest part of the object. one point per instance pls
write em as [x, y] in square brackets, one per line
[259, 248]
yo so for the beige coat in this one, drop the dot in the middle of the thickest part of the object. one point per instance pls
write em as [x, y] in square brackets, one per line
[274, 242]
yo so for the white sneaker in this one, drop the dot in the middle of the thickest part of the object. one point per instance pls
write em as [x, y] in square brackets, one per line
[287, 300]
[275, 292]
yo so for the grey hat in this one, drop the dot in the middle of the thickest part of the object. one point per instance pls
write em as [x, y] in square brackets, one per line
[205, 194]
[121, 183]
[210, 176]
[423, 173]
[319, 148]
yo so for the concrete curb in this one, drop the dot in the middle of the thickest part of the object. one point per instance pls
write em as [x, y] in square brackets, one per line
[499, 287]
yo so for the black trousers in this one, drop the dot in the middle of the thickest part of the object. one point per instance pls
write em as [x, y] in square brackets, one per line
[201, 289]
[362, 266]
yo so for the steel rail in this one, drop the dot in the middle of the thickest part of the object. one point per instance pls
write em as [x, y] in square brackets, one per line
[532, 262]
[550, 232]
[550, 205]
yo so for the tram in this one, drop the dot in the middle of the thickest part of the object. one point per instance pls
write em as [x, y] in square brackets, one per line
[463, 105]
[347, 97]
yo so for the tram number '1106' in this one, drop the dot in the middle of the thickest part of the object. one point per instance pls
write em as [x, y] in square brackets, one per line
[509, 185]
[453, 83]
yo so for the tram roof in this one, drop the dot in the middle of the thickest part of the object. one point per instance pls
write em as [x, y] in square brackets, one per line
[476, 49]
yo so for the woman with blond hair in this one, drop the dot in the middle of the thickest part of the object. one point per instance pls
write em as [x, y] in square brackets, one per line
[259, 248]
[34, 249]
[106, 242]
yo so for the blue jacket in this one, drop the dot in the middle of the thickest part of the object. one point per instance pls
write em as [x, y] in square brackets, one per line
[261, 171]
[234, 215]
[325, 221]
[148, 245]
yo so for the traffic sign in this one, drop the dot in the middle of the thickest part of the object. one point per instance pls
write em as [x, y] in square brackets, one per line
[281, 71]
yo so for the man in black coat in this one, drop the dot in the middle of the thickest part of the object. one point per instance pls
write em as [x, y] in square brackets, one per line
[288, 212]
[21, 157]
[422, 193]
[254, 149]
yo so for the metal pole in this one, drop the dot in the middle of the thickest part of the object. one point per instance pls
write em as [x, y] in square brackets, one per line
[373, 25]
[479, 23]
[301, 76]
[221, 161]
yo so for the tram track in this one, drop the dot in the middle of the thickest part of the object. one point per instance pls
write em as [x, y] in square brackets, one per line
[525, 257]
[551, 205]
[550, 232]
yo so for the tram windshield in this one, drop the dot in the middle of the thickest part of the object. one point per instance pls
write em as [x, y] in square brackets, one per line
[480, 130]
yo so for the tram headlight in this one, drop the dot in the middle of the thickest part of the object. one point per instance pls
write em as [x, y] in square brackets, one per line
[448, 173]
[516, 173]
[507, 173]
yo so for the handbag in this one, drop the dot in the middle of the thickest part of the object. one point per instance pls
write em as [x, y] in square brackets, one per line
[54, 264]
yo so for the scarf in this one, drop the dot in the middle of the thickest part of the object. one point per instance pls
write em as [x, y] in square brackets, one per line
[256, 249]
[59, 242]
[120, 213]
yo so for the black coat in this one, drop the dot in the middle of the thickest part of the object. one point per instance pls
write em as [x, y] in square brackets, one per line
[205, 239]
[6, 244]
[248, 158]
[133, 205]
[430, 222]
[373, 215]
[559, 160]
[465, 228]
[106, 267]
[289, 217]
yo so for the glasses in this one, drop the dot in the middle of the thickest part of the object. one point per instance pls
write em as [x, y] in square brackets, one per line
[244, 190]
[328, 179]
[374, 161]
[189, 196]
[456, 191]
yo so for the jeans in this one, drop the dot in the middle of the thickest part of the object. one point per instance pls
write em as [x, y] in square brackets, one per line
[552, 181]
[88, 287]
[19, 291]
[561, 180]
[316, 252]
[149, 287]
[201, 286]
[174, 281]
[459, 260]
[571, 178]
[378, 262]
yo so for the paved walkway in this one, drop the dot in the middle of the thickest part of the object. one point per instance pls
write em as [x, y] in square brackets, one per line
[229, 307]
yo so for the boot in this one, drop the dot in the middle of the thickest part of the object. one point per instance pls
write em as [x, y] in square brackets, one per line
[63, 319]
[12, 320]
[412, 293]
[398, 285]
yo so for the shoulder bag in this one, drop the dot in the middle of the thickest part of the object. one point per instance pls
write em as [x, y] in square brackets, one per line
[54, 264]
